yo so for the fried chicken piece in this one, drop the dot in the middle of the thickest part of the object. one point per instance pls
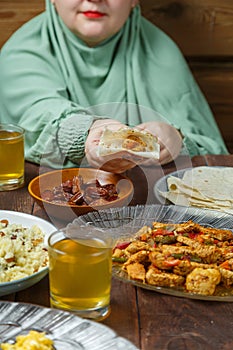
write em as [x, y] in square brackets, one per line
[203, 281]
[186, 266]
[163, 279]
[227, 264]
[139, 257]
[187, 227]
[183, 268]
[219, 234]
[162, 261]
[226, 270]
[144, 234]
[227, 252]
[118, 253]
[204, 266]
[189, 242]
[163, 225]
[226, 277]
[136, 271]
[209, 254]
[173, 249]
[136, 246]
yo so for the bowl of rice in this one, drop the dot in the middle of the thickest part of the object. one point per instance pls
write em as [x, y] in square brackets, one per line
[23, 250]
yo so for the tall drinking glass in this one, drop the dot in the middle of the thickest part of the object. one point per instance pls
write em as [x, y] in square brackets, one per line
[11, 157]
[80, 269]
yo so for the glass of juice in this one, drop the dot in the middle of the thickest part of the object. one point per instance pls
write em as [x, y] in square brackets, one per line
[11, 157]
[80, 270]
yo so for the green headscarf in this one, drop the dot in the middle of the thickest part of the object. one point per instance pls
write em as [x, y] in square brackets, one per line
[54, 86]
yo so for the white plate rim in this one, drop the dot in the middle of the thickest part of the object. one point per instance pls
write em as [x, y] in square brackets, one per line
[19, 218]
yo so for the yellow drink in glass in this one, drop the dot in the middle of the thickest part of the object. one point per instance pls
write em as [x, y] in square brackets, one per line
[11, 157]
[80, 276]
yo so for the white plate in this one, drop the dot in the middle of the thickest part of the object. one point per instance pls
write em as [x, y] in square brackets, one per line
[68, 331]
[161, 184]
[125, 222]
[27, 221]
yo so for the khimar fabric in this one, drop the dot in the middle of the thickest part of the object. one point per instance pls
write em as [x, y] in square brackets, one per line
[55, 86]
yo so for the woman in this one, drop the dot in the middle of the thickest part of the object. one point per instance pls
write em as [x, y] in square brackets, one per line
[83, 65]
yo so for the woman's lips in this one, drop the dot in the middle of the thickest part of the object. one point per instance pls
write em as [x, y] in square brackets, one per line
[93, 14]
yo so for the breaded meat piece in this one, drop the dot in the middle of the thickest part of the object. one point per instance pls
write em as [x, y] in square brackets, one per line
[209, 253]
[139, 257]
[162, 261]
[226, 277]
[203, 281]
[136, 246]
[163, 279]
[137, 272]
[220, 234]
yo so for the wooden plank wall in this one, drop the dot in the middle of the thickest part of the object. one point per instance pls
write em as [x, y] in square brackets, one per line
[202, 29]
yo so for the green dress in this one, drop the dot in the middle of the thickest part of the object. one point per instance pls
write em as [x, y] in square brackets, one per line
[55, 86]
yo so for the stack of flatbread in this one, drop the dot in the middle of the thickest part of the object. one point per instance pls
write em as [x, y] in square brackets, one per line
[203, 187]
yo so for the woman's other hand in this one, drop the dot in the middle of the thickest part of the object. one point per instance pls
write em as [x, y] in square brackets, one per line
[169, 138]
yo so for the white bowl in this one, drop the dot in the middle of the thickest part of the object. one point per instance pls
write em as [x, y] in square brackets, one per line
[26, 220]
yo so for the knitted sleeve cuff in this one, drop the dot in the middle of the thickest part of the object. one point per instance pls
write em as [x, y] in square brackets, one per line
[72, 135]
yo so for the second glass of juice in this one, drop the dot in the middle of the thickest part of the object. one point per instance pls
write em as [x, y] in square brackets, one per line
[80, 273]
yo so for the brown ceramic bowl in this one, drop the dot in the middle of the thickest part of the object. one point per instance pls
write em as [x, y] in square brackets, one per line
[68, 212]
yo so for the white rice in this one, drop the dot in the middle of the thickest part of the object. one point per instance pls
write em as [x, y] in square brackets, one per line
[22, 251]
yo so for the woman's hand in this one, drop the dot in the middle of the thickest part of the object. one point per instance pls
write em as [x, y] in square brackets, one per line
[169, 138]
[115, 163]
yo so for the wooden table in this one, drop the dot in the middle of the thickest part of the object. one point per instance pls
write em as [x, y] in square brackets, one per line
[150, 320]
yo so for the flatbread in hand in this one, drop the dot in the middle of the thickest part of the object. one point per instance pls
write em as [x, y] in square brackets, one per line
[139, 143]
